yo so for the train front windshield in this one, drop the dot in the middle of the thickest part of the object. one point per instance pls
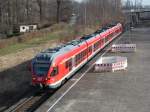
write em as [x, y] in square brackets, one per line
[41, 69]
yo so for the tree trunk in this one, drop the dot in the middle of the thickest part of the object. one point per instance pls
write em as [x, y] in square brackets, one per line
[40, 8]
[58, 11]
[27, 13]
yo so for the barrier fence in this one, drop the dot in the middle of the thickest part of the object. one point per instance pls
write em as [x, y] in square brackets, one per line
[108, 64]
[123, 48]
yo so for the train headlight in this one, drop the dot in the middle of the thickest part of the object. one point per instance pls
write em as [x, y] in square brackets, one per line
[47, 78]
[33, 78]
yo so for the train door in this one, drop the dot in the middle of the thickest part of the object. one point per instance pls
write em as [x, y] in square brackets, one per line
[74, 62]
[104, 40]
[70, 64]
[92, 48]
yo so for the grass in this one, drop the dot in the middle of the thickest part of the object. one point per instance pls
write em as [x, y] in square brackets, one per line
[60, 34]
[13, 48]
[31, 43]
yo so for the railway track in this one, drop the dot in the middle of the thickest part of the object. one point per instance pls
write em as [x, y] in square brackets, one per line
[33, 102]
[38, 97]
[78, 76]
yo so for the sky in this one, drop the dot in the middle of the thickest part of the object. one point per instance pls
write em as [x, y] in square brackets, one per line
[145, 2]
[78, 0]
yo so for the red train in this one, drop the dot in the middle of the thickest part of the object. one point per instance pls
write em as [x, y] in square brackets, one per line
[52, 67]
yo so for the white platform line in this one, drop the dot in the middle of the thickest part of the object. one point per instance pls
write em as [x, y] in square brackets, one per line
[72, 86]
[51, 107]
[73, 79]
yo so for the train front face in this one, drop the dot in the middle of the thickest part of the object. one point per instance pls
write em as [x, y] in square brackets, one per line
[41, 68]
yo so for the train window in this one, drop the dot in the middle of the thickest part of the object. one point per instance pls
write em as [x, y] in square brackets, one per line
[96, 45]
[41, 69]
[99, 43]
[80, 57]
[55, 71]
[107, 38]
[69, 64]
[90, 49]
[103, 40]
[76, 60]
[85, 52]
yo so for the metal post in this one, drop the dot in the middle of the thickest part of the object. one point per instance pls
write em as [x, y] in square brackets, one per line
[85, 14]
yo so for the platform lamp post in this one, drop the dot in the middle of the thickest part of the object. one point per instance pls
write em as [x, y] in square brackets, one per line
[85, 14]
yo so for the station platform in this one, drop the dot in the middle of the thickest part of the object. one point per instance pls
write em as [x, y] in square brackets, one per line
[126, 91]
[110, 64]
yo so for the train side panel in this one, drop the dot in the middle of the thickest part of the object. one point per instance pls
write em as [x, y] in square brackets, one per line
[64, 65]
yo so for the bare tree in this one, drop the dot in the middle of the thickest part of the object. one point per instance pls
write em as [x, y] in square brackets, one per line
[58, 10]
[99, 11]
[47, 12]
[40, 8]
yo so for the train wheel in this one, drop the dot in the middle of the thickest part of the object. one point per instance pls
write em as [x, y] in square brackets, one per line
[63, 81]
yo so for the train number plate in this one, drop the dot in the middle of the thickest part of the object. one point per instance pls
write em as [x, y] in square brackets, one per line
[39, 79]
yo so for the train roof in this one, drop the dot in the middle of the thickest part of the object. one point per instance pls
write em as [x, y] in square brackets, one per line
[49, 54]
[101, 30]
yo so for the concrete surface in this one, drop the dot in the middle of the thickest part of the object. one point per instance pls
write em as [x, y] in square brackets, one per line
[123, 91]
